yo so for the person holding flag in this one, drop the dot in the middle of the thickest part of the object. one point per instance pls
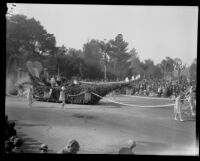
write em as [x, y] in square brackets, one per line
[190, 99]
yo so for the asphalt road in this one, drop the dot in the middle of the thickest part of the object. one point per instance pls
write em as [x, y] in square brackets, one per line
[104, 128]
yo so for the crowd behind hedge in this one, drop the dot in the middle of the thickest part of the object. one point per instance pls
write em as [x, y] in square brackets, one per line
[157, 87]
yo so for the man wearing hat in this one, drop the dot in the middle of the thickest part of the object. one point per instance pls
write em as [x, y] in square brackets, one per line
[129, 149]
[62, 96]
[72, 147]
[43, 148]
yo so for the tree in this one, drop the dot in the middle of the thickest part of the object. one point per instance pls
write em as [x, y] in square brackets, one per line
[149, 68]
[27, 39]
[163, 66]
[105, 48]
[170, 66]
[179, 66]
[92, 60]
[193, 70]
[60, 53]
[119, 56]
[134, 63]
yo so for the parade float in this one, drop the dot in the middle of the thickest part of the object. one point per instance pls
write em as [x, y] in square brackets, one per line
[76, 92]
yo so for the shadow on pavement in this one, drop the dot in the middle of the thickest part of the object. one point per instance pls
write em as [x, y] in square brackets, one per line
[31, 145]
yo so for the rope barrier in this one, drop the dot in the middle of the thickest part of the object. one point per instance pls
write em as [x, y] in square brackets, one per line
[170, 99]
[168, 105]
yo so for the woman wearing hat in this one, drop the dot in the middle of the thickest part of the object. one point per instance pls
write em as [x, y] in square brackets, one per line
[62, 96]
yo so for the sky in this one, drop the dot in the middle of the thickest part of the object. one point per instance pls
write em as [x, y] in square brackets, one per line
[154, 31]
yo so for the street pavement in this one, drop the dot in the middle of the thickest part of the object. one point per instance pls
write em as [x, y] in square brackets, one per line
[103, 128]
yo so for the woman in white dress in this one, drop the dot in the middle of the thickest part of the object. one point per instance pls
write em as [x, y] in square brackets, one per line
[190, 98]
[62, 96]
[177, 107]
[30, 96]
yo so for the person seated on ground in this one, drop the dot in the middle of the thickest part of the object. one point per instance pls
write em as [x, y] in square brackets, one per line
[6, 121]
[43, 148]
[11, 140]
[11, 129]
[8, 147]
[17, 146]
[72, 147]
[129, 149]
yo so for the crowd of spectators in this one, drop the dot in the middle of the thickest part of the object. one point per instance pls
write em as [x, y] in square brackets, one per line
[12, 142]
[156, 87]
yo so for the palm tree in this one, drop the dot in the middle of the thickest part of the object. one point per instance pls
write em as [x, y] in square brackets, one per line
[170, 66]
[179, 66]
[105, 48]
[163, 66]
